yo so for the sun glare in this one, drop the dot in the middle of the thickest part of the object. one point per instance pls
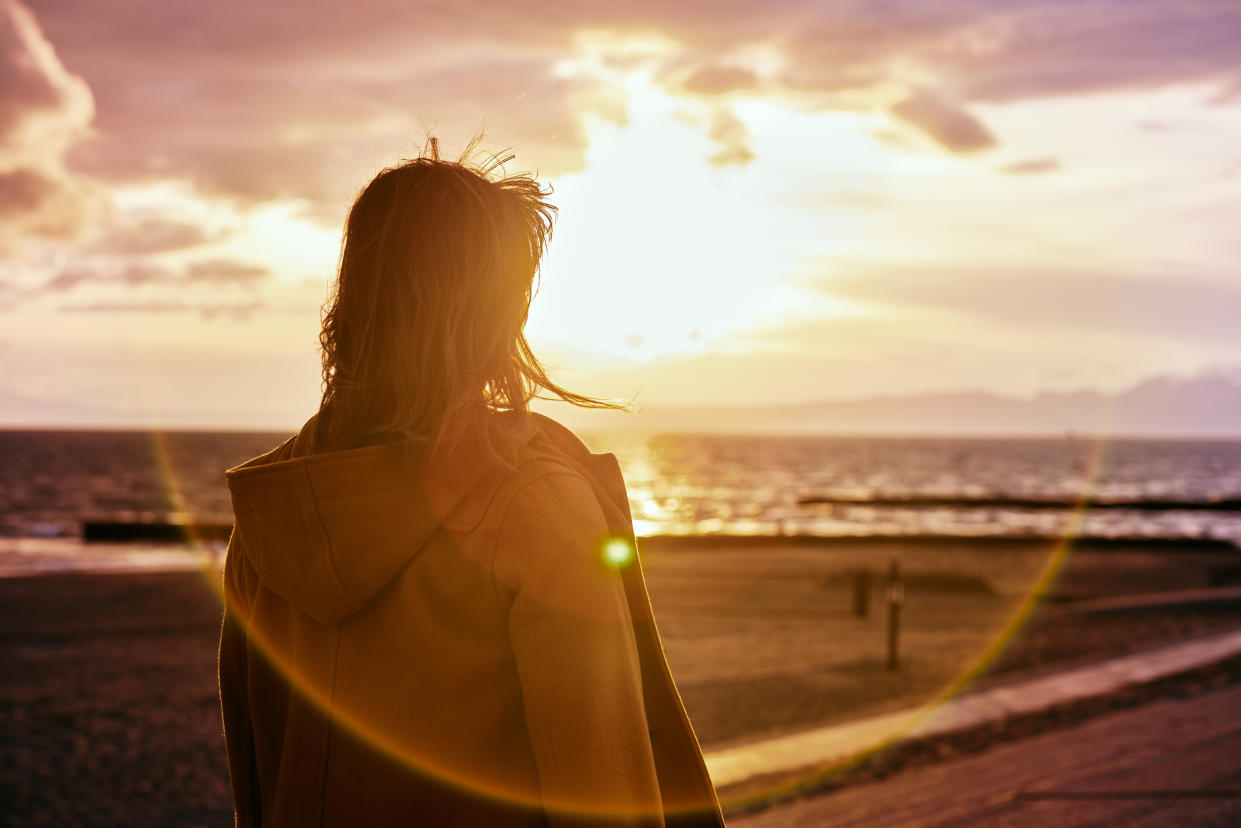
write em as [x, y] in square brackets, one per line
[667, 244]
[297, 246]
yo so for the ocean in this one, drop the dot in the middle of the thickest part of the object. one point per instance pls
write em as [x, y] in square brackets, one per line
[52, 481]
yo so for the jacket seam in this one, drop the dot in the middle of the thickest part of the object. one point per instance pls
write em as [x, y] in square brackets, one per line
[448, 523]
[329, 732]
[495, 544]
[327, 540]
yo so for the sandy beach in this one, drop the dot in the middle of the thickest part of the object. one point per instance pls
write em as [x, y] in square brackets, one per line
[109, 699]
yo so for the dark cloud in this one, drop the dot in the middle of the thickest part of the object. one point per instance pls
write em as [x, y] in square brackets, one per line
[24, 191]
[1033, 166]
[950, 125]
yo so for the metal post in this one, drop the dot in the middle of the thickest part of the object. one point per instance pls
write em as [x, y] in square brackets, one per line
[861, 592]
[896, 597]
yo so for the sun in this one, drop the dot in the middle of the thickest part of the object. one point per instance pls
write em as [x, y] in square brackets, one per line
[661, 249]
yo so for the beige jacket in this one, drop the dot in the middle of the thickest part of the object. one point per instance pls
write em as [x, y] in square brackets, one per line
[416, 641]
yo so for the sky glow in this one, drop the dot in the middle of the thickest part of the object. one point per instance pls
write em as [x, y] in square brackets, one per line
[795, 206]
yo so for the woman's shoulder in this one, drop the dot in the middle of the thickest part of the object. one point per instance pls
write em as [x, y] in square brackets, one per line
[533, 459]
[551, 472]
[548, 527]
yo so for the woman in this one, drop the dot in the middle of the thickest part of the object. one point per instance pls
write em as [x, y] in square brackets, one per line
[435, 614]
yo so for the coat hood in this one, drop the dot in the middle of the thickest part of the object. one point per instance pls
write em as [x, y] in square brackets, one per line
[327, 531]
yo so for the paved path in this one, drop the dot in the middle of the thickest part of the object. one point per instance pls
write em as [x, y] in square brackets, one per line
[1207, 598]
[1172, 762]
[732, 768]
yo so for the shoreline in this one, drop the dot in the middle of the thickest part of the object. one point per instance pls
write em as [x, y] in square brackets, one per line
[158, 549]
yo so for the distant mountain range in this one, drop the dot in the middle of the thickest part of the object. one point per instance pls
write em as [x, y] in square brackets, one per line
[17, 411]
[1207, 405]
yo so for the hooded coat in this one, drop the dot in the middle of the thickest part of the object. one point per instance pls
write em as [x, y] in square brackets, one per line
[457, 639]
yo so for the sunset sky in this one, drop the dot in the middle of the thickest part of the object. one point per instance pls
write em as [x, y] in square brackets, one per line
[759, 202]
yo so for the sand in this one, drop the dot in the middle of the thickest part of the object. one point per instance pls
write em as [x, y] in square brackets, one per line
[762, 639]
[108, 710]
[109, 713]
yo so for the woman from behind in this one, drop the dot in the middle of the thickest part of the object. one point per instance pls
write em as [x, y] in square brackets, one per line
[434, 608]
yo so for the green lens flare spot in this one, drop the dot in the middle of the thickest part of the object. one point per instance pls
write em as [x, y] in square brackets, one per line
[618, 552]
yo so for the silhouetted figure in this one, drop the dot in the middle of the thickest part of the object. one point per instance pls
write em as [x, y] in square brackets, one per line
[435, 613]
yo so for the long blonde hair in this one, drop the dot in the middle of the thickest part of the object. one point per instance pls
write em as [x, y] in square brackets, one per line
[425, 322]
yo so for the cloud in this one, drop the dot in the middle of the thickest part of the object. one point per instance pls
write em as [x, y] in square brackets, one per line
[844, 49]
[44, 110]
[732, 137]
[1033, 166]
[237, 310]
[261, 105]
[133, 274]
[42, 106]
[68, 279]
[151, 236]
[719, 79]
[1051, 49]
[1185, 309]
[23, 191]
[1229, 94]
[139, 273]
[1018, 50]
[224, 270]
[951, 126]
[311, 120]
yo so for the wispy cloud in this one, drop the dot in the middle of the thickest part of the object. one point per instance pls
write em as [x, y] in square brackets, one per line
[45, 107]
[224, 270]
[44, 111]
[949, 124]
[1033, 166]
[150, 236]
[1166, 307]
[207, 310]
[132, 274]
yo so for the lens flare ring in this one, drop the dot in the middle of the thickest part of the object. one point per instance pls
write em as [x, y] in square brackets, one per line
[618, 552]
